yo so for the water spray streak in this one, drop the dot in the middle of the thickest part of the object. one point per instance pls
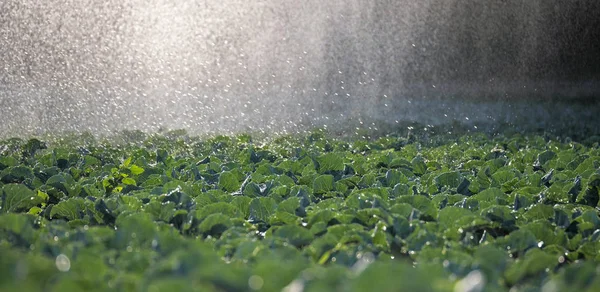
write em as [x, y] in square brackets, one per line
[283, 66]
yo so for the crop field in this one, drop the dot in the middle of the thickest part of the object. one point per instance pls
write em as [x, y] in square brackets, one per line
[417, 211]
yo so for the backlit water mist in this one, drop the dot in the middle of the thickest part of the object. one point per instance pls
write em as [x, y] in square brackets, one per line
[283, 66]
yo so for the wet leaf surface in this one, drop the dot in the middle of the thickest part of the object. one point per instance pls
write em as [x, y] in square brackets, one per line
[319, 213]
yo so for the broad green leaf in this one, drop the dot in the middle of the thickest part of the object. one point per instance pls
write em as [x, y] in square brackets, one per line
[330, 162]
[70, 209]
[290, 205]
[16, 174]
[324, 216]
[136, 170]
[402, 209]
[492, 260]
[519, 241]
[544, 157]
[7, 161]
[449, 215]
[539, 211]
[242, 203]
[503, 176]
[18, 197]
[423, 204]
[161, 211]
[284, 218]
[500, 214]
[377, 275]
[534, 263]
[490, 197]
[261, 209]
[252, 190]
[394, 177]
[364, 199]
[295, 235]
[214, 225]
[218, 208]
[578, 276]
[419, 166]
[323, 184]
[228, 182]
[129, 181]
[135, 230]
[18, 228]
[60, 182]
[448, 179]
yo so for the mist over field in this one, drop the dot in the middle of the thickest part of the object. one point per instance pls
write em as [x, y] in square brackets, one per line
[284, 66]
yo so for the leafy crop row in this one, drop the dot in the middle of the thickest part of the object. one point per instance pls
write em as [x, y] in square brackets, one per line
[309, 213]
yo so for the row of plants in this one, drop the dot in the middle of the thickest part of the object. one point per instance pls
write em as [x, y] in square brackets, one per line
[311, 212]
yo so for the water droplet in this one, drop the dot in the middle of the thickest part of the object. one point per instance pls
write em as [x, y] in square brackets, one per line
[255, 282]
[474, 281]
[63, 263]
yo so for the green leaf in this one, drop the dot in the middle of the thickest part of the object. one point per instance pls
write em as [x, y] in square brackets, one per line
[218, 208]
[503, 176]
[295, 235]
[214, 225]
[519, 241]
[378, 275]
[590, 216]
[402, 209]
[136, 170]
[330, 162]
[539, 211]
[450, 215]
[535, 263]
[545, 232]
[419, 166]
[43, 196]
[321, 216]
[448, 179]
[35, 211]
[162, 156]
[500, 214]
[490, 197]
[127, 162]
[394, 177]
[129, 181]
[134, 230]
[18, 197]
[323, 184]
[544, 157]
[161, 211]
[60, 182]
[242, 203]
[365, 198]
[71, 209]
[290, 205]
[492, 260]
[578, 276]
[423, 204]
[16, 174]
[32, 146]
[228, 182]
[283, 218]
[7, 161]
[261, 209]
